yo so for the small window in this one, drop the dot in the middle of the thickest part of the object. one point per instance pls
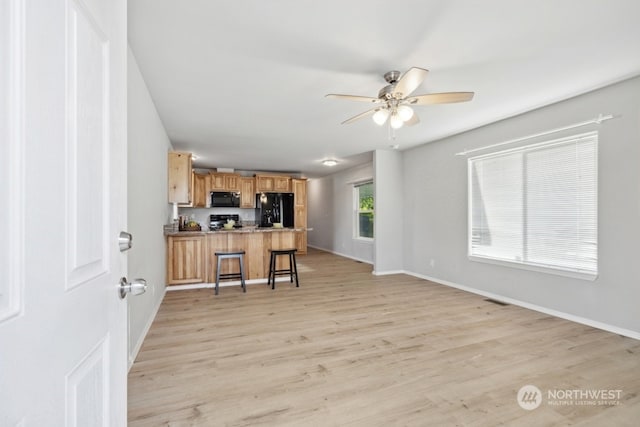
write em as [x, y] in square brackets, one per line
[364, 210]
[536, 206]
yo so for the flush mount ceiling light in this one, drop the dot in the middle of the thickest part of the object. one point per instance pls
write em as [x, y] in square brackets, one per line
[394, 101]
[329, 162]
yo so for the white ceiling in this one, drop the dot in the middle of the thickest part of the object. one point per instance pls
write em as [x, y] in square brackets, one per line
[241, 83]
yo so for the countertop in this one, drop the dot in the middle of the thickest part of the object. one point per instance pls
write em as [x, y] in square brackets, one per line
[234, 230]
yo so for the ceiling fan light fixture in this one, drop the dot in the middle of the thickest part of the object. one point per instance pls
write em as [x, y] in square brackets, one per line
[396, 100]
[329, 162]
[405, 112]
[396, 121]
[380, 116]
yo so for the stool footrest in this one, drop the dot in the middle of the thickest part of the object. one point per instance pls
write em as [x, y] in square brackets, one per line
[230, 276]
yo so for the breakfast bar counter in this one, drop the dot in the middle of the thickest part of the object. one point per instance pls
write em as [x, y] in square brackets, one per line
[191, 259]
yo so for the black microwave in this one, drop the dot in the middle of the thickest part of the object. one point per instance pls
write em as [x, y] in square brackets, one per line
[225, 199]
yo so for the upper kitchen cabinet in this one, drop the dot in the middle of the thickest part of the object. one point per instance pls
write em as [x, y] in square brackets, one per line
[180, 178]
[200, 192]
[224, 182]
[232, 182]
[282, 184]
[273, 184]
[247, 192]
[299, 187]
[217, 181]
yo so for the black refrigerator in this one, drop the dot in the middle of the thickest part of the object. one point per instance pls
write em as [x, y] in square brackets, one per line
[274, 207]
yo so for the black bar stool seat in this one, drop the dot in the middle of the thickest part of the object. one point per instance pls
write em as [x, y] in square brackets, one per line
[239, 255]
[292, 271]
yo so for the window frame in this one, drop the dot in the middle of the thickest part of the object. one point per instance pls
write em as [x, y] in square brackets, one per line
[523, 264]
[357, 211]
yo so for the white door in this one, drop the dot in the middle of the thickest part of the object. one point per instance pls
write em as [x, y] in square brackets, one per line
[63, 356]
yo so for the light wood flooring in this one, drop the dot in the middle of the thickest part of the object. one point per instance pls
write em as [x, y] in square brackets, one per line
[349, 348]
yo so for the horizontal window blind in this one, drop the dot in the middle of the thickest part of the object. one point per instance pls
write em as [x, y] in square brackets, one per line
[537, 205]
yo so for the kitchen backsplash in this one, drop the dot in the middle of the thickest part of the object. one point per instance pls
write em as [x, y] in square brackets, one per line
[201, 215]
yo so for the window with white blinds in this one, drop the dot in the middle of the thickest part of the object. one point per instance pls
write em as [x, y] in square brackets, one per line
[536, 206]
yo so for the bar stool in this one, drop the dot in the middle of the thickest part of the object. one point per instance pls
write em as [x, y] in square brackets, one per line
[291, 271]
[230, 255]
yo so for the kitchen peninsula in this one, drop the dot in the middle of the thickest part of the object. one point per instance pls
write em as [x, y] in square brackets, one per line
[190, 254]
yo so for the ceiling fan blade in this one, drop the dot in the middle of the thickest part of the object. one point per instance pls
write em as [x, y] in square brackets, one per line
[414, 120]
[354, 98]
[409, 82]
[360, 116]
[440, 98]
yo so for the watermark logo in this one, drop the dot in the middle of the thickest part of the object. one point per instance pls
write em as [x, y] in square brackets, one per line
[584, 397]
[529, 397]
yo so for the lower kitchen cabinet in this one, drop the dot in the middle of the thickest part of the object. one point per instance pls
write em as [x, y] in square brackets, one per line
[186, 259]
[190, 255]
[301, 242]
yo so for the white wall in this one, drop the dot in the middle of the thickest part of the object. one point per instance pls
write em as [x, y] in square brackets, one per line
[435, 213]
[148, 209]
[388, 201]
[331, 213]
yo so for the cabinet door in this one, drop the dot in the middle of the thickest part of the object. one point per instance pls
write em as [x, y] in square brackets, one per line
[300, 192]
[232, 183]
[300, 217]
[282, 184]
[301, 242]
[247, 193]
[200, 192]
[300, 202]
[185, 259]
[264, 184]
[300, 222]
[299, 187]
[217, 182]
[179, 174]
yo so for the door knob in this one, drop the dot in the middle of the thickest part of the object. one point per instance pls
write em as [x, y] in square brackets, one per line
[136, 287]
[125, 240]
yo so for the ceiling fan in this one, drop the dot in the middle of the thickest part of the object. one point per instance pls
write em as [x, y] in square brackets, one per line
[394, 101]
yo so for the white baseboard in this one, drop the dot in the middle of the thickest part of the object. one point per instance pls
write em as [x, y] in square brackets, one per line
[386, 273]
[341, 254]
[582, 320]
[133, 354]
[222, 284]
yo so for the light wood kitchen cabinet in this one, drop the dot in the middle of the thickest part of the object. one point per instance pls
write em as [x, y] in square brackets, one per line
[217, 181]
[232, 182]
[247, 193]
[190, 256]
[300, 192]
[224, 181]
[186, 259]
[273, 184]
[282, 184]
[257, 246]
[200, 189]
[264, 184]
[301, 242]
[180, 178]
[299, 187]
